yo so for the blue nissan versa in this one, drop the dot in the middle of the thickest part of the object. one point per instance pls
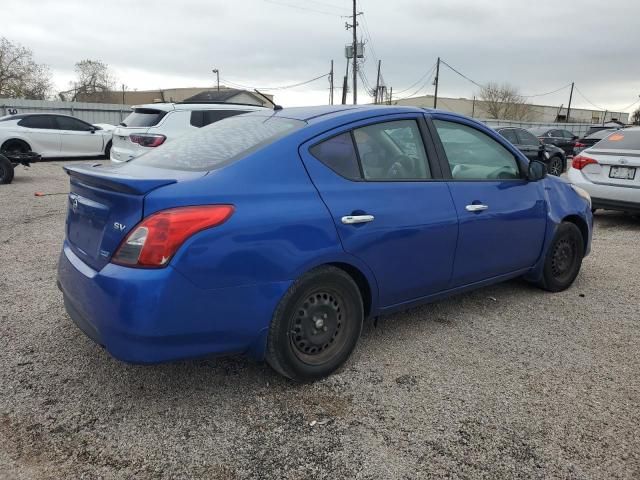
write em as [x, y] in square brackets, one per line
[276, 233]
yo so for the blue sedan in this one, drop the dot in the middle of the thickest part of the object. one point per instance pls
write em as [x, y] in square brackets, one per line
[275, 234]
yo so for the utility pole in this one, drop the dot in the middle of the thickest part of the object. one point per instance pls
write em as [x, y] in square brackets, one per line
[331, 85]
[217, 72]
[355, 55]
[435, 97]
[473, 107]
[390, 94]
[123, 87]
[345, 84]
[569, 107]
[378, 84]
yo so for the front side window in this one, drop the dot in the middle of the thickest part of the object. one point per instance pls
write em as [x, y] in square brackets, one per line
[392, 151]
[217, 145]
[46, 122]
[474, 155]
[526, 138]
[510, 135]
[66, 123]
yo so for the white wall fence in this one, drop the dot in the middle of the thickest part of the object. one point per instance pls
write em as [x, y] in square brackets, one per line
[578, 129]
[89, 112]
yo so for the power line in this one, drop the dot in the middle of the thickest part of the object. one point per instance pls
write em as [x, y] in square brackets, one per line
[462, 75]
[589, 101]
[330, 5]
[417, 81]
[428, 82]
[283, 87]
[548, 93]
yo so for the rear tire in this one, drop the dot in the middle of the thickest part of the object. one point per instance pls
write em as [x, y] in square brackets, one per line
[316, 325]
[563, 259]
[6, 171]
[107, 151]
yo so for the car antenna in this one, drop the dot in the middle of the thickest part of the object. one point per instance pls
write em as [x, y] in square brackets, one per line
[275, 106]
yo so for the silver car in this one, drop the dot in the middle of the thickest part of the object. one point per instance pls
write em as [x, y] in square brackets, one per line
[609, 171]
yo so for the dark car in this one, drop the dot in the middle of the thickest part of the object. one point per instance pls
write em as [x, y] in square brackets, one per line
[556, 136]
[590, 139]
[534, 149]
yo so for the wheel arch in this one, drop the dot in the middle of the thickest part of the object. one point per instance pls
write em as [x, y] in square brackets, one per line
[16, 139]
[361, 281]
[582, 226]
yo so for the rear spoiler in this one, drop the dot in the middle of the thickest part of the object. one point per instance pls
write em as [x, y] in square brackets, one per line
[108, 179]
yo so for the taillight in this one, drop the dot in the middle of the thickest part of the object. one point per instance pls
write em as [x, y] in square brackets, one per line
[147, 139]
[581, 161]
[579, 145]
[158, 237]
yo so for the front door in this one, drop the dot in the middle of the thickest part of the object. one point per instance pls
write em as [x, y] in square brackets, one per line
[78, 138]
[43, 134]
[379, 183]
[502, 215]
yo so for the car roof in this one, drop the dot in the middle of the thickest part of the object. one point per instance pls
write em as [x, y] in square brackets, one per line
[170, 106]
[326, 112]
[19, 116]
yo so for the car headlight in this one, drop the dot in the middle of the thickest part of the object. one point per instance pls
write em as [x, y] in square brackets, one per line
[583, 193]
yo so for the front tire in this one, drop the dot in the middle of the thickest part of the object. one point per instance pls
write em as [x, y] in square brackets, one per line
[556, 166]
[564, 258]
[316, 325]
[107, 151]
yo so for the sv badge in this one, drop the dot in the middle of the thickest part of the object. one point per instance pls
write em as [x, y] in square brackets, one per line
[119, 226]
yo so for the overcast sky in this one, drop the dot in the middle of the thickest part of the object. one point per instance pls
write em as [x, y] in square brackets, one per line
[538, 46]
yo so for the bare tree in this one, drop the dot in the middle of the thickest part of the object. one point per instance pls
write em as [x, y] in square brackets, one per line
[503, 101]
[94, 82]
[20, 75]
[635, 117]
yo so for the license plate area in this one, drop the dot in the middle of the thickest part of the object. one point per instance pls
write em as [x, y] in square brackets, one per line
[623, 173]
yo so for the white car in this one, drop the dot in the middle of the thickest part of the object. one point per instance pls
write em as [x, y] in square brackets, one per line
[152, 125]
[52, 135]
[610, 171]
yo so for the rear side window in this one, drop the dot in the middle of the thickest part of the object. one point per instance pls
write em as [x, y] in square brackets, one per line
[202, 118]
[144, 117]
[621, 140]
[339, 155]
[215, 146]
[39, 121]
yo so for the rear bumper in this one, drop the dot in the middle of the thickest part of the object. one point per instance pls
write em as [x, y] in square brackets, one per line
[611, 197]
[120, 153]
[151, 316]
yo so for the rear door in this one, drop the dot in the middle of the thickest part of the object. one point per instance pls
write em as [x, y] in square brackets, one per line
[502, 215]
[382, 186]
[78, 138]
[43, 134]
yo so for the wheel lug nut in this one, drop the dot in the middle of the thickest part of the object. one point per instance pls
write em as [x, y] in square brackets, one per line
[325, 329]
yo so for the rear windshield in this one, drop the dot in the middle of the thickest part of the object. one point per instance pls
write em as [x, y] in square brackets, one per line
[143, 117]
[600, 134]
[621, 140]
[220, 143]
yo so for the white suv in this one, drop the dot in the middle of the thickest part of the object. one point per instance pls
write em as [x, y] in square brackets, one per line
[152, 125]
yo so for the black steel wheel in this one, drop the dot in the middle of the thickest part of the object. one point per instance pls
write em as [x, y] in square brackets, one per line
[556, 166]
[6, 170]
[564, 258]
[316, 325]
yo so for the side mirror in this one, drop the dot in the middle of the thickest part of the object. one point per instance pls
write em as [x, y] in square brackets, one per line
[537, 171]
[93, 130]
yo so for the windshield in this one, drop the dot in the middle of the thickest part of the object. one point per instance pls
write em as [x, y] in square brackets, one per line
[220, 143]
[621, 140]
[143, 117]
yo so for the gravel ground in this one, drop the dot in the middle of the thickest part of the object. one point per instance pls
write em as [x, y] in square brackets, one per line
[505, 382]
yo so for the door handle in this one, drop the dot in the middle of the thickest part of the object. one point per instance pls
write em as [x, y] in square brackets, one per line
[353, 219]
[476, 208]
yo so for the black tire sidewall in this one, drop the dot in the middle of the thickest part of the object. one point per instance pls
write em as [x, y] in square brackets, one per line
[107, 151]
[280, 354]
[6, 170]
[550, 282]
[553, 160]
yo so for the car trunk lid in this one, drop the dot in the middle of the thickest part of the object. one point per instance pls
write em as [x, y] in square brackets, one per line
[614, 167]
[105, 203]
